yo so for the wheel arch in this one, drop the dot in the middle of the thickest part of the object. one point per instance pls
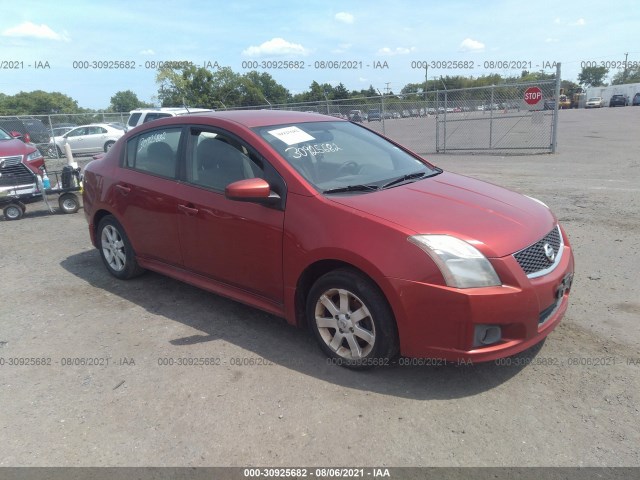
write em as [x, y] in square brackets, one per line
[316, 270]
[97, 217]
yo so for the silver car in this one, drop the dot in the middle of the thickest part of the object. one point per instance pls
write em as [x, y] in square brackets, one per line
[97, 137]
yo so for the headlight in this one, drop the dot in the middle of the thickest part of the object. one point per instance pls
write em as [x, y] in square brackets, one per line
[34, 155]
[461, 264]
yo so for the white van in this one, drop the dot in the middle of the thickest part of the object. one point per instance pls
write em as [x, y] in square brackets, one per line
[144, 115]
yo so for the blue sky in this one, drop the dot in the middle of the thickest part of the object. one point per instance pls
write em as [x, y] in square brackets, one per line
[229, 33]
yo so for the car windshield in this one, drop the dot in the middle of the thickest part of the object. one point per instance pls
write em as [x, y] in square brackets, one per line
[339, 157]
[594, 99]
[4, 135]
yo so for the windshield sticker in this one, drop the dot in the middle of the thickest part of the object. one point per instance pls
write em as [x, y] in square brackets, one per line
[312, 150]
[291, 135]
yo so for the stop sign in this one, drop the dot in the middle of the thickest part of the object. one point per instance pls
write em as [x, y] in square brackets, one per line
[532, 95]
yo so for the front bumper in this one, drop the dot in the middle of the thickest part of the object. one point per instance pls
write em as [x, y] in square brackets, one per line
[439, 322]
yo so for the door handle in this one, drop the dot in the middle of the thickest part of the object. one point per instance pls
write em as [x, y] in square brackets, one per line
[122, 189]
[188, 210]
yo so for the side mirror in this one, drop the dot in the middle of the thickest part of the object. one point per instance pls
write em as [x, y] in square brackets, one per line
[251, 190]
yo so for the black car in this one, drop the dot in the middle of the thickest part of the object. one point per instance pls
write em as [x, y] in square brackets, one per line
[619, 100]
[636, 99]
[374, 115]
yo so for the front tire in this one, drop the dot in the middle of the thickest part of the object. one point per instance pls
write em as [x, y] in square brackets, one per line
[351, 320]
[116, 250]
[108, 145]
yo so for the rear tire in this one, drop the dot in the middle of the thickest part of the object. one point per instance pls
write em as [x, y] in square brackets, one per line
[351, 320]
[116, 250]
[108, 145]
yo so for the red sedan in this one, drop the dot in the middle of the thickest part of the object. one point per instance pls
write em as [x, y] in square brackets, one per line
[328, 224]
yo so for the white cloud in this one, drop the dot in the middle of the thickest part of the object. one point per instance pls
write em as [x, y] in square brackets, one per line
[551, 40]
[148, 51]
[344, 17]
[396, 51]
[343, 47]
[578, 23]
[275, 46]
[31, 30]
[470, 45]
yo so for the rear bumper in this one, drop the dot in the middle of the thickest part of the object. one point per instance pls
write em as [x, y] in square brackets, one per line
[440, 322]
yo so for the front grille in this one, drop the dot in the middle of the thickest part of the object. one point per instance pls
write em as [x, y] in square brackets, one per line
[11, 161]
[14, 174]
[533, 259]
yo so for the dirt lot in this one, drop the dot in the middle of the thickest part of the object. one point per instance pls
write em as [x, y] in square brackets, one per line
[270, 398]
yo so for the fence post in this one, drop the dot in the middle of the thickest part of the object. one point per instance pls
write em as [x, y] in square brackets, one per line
[491, 118]
[444, 130]
[384, 131]
[554, 135]
[437, 123]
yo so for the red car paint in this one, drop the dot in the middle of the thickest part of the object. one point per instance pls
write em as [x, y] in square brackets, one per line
[15, 146]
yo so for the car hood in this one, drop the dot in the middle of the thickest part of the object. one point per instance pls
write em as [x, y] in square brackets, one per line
[495, 220]
[9, 148]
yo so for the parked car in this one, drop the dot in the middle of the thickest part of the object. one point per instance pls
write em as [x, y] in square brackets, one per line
[38, 132]
[636, 99]
[14, 124]
[97, 137]
[549, 104]
[594, 102]
[144, 115]
[307, 217]
[14, 151]
[356, 116]
[59, 131]
[618, 101]
[374, 116]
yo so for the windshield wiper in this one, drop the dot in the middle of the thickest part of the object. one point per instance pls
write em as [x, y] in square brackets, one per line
[353, 188]
[404, 178]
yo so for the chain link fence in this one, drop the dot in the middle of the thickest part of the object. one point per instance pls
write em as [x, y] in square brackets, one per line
[42, 128]
[494, 119]
[498, 119]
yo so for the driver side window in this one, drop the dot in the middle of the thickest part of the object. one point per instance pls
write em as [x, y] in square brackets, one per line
[218, 160]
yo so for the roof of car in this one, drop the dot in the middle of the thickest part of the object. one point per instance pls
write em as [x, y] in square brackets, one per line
[260, 118]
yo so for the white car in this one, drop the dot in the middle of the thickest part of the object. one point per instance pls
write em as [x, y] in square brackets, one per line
[594, 102]
[144, 115]
[97, 137]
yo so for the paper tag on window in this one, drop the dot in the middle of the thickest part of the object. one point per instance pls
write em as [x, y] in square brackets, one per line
[291, 135]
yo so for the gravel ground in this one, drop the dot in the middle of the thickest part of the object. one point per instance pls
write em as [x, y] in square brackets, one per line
[270, 399]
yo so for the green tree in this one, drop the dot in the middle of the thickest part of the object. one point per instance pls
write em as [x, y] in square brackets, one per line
[38, 102]
[340, 92]
[189, 86]
[125, 101]
[593, 76]
[268, 87]
[632, 75]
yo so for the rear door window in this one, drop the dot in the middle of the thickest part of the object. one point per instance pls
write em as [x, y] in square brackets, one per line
[155, 152]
